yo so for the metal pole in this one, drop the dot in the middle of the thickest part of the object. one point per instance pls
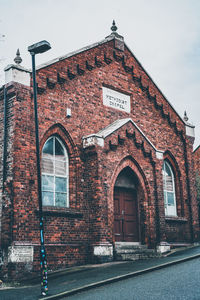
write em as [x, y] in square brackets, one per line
[43, 259]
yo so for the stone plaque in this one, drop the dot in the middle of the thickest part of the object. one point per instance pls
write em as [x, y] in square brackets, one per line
[116, 100]
[20, 254]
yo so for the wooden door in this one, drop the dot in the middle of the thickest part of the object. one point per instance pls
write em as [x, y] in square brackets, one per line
[125, 215]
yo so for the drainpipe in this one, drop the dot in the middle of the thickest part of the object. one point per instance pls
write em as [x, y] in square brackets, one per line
[4, 155]
[5, 136]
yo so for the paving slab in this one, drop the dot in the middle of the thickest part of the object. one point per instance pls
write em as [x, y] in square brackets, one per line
[73, 280]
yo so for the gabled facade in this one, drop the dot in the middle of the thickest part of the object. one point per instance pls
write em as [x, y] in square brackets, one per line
[116, 161]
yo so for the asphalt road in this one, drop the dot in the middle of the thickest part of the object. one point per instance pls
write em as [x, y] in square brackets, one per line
[175, 282]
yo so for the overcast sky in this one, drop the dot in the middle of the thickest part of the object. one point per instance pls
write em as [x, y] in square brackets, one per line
[164, 35]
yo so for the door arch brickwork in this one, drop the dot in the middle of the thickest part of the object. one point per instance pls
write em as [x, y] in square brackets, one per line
[140, 198]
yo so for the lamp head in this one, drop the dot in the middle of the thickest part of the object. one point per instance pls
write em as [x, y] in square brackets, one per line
[39, 47]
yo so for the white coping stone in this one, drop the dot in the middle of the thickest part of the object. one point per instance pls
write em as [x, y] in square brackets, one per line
[163, 247]
[17, 74]
[17, 254]
[190, 130]
[108, 130]
[93, 140]
[103, 250]
[159, 155]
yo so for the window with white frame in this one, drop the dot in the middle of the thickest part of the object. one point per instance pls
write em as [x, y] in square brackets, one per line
[55, 171]
[169, 190]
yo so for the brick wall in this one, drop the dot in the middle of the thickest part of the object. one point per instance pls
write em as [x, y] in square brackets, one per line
[196, 158]
[76, 83]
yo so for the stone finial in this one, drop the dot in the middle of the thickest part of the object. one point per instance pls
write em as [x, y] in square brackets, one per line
[185, 118]
[118, 39]
[17, 73]
[113, 27]
[18, 59]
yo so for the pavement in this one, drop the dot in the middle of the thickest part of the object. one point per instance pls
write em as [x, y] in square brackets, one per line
[76, 279]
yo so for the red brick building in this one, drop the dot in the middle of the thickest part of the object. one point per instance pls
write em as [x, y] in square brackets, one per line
[116, 161]
[196, 159]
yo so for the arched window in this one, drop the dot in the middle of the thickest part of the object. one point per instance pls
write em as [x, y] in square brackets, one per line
[169, 190]
[55, 171]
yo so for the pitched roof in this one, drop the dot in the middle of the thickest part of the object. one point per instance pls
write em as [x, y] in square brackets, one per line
[107, 39]
[60, 58]
[110, 129]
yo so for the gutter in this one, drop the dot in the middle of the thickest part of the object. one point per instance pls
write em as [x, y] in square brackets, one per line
[5, 154]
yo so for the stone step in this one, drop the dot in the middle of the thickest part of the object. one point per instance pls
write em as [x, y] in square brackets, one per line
[133, 251]
[135, 256]
[124, 245]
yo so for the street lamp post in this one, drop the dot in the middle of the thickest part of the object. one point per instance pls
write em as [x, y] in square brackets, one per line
[34, 49]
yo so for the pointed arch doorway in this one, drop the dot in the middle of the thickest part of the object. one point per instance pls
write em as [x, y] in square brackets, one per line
[126, 225]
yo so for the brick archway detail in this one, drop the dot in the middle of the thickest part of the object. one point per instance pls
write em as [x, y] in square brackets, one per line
[168, 156]
[60, 131]
[135, 167]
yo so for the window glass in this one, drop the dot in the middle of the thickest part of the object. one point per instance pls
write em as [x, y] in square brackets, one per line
[61, 184]
[48, 165]
[169, 190]
[170, 198]
[47, 183]
[165, 197]
[59, 151]
[54, 173]
[47, 198]
[48, 147]
[169, 179]
[60, 199]
[60, 167]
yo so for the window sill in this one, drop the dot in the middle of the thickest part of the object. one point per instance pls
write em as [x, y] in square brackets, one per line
[176, 219]
[60, 212]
